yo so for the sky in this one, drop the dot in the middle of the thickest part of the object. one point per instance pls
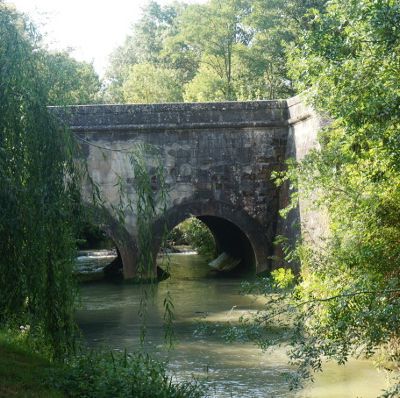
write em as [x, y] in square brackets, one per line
[92, 28]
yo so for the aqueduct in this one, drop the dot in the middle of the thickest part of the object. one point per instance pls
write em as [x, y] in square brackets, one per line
[218, 160]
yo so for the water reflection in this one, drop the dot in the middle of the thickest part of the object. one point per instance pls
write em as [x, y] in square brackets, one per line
[109, 317]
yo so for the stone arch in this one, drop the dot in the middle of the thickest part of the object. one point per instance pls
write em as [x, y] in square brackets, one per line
[219, 216]
[126, 246]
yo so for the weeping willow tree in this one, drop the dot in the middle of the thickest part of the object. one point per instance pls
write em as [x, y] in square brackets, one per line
[37, 236]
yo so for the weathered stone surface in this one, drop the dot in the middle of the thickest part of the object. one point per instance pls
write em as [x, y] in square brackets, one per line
[310, 223]
[218, 160]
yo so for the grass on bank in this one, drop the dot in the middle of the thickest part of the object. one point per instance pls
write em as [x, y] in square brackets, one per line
[22, 373]
[90, 374]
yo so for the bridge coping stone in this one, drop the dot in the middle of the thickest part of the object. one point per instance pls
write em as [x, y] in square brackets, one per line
[83, 118]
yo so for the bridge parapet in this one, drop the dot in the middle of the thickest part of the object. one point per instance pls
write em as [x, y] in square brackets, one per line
[171, 116]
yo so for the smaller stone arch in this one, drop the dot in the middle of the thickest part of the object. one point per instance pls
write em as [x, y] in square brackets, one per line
[126, 246]
[233, 229]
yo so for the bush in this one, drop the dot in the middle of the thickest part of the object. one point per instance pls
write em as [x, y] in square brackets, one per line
[196, 234]
[116, 374]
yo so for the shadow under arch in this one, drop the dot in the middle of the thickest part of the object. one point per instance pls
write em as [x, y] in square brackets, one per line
[234, 230]
[126, 246]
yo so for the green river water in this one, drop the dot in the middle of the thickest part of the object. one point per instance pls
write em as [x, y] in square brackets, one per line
[109, 318]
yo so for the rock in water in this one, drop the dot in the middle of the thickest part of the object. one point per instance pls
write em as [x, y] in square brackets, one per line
[224, 262]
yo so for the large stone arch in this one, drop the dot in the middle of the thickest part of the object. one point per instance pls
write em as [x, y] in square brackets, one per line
[219, 216]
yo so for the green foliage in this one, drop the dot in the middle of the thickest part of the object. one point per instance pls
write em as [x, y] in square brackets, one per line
[23, 372]
[195, 233]
[215, 32]
[145, 46]
[70, 82]
[205, 86]
[115, 374]
[91, 236]
[37, 201]
[276, 24]
[245, 331]
[349, 60]
[219, 50]
[283, 278]
[149, 205]
[146, 83]
[151, 30]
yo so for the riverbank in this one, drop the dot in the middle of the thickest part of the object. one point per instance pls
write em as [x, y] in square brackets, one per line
[23, 374]
[92, 374]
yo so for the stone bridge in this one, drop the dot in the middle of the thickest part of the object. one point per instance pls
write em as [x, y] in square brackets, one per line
[218, 160]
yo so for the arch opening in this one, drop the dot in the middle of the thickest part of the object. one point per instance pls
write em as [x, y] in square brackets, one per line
[234, 231]
[98, 256]
[232, 241]
[222, 248]
[192, 235]
[118, 239]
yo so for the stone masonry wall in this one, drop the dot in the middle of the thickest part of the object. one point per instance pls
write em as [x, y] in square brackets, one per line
[218, 159]
[311, 224]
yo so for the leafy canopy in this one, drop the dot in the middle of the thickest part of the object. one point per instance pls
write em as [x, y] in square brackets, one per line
[348, 59]
[70, 82]
[147, 83]
[220, 50]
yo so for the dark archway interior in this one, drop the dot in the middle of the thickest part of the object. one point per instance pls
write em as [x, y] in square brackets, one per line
[96, 251]
[231, 239]
[234, 230]
[93, 237]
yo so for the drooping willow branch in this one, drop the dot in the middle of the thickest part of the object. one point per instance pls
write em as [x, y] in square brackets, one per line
[331, 298]
[151, 202]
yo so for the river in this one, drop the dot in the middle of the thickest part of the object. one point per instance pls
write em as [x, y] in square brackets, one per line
[109, 318]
